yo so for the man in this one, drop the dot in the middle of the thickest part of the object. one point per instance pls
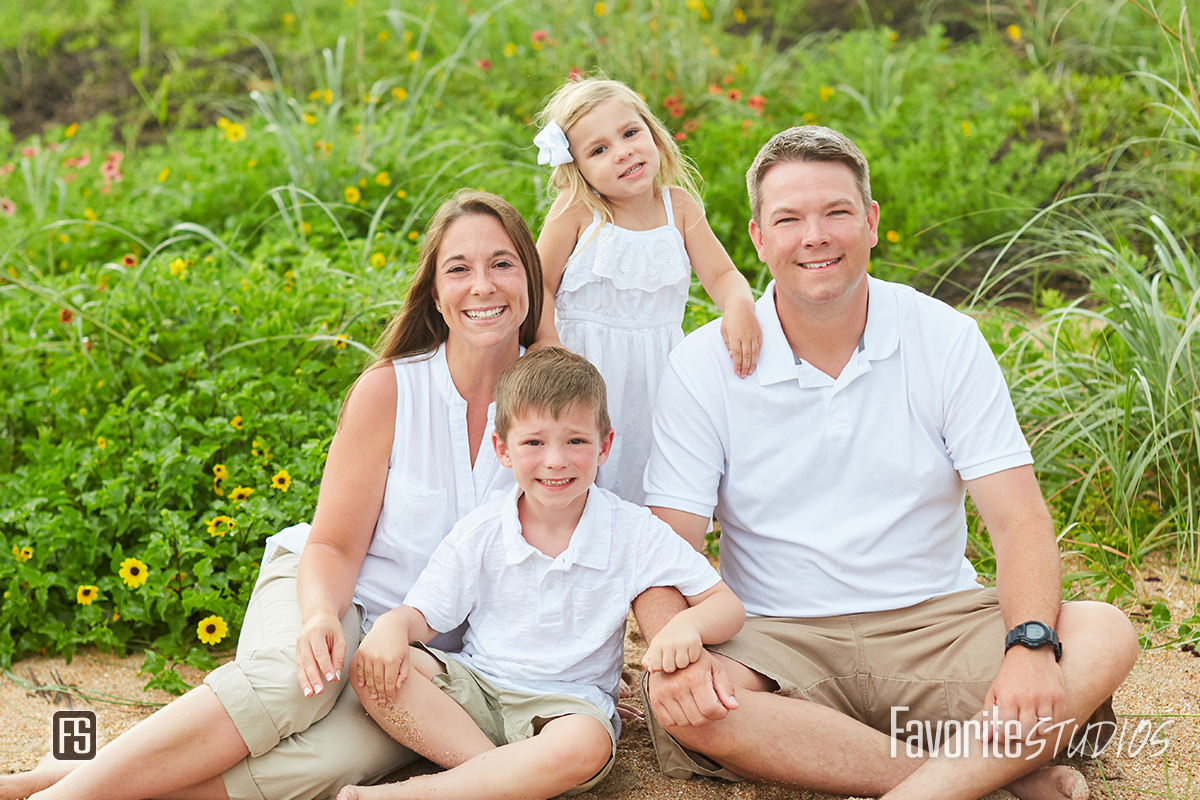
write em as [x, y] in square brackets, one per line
[838, 472]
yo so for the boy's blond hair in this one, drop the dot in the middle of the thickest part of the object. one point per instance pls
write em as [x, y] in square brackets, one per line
[575, 99]
[549, 380]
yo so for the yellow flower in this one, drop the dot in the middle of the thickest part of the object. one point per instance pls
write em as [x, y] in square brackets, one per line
[510, 50]
[133, 572]
[739, 16]
[362, 183]
[282, 481]
[383, 179]
[90, 215]
[399, 95]
[235, 132]
[178, 268]
[383, 36]
[71, 130]
[220, 471]
[211, 629]
[236, 422]
[413, 55]
[353, 195]
[22, 553]
[84, 595]
[808, 118]
[966, 128]
[289, 18]
[162, 176]
[240, 493]
[407, 37]
[401, 194]
[1014, 33]
[893, 237]
[412, 236]
[63, 238]
[314, 94]
[378, 260]
[101, 442]
[223, 123]
[252, 163]
[340, 340]
[827, 92]
[220, 525]
[217, 487]
[309, 119]
[600, 9]
[327, 96]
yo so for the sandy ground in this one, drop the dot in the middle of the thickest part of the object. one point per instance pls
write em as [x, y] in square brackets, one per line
[1156, 754]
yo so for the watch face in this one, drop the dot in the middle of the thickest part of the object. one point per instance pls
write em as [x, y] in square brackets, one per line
[1035, 633]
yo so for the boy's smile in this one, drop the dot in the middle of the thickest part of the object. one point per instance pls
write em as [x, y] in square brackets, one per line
[555, 460]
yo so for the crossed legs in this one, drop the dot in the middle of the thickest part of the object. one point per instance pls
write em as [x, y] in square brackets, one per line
[795, 742]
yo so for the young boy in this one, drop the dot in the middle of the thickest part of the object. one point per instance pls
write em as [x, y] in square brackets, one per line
[543, 578]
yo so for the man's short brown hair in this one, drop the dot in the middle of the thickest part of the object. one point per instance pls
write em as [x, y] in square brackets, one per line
[806, 143]
[549, 380]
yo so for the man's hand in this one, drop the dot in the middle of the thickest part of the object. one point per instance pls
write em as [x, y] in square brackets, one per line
[696, 695]
[1029, 689]
[320, 651]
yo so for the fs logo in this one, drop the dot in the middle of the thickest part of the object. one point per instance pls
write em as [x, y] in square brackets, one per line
[74, 734]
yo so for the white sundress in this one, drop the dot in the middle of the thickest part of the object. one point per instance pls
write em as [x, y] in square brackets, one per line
[620, 305]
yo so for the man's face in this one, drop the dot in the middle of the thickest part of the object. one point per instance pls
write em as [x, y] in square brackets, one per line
[815, 235]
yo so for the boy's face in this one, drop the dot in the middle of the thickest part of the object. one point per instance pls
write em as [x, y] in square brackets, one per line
[555, 460]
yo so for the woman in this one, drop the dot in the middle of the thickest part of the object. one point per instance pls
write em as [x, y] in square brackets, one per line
[411, 454]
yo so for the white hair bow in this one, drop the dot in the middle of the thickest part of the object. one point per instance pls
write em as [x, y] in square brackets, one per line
[552, 144]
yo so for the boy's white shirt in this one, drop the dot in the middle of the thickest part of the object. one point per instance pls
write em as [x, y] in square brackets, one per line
[553, 625]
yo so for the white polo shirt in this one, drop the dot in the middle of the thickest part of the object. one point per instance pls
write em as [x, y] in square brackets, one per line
[837, 496]
[553, 625]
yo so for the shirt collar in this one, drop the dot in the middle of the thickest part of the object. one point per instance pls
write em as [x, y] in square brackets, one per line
[881, 337]
[591, 541]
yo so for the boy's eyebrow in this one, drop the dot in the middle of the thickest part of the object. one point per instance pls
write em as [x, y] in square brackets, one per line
[503, 251]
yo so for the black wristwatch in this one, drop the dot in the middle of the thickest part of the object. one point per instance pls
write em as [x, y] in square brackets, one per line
[1034, 635]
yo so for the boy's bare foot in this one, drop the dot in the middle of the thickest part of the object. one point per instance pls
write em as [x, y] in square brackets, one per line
[1051, 782]
[348, 793]
[47, 773]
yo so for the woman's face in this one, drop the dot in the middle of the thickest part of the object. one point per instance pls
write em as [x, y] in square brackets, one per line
[480, 284]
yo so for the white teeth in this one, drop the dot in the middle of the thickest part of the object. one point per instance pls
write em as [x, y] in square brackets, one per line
[489, 314]
[819, 265]
[631, 170]
[559, 482]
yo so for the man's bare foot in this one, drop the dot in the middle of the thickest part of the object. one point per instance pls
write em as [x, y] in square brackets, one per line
[1051, 782]
[47, 773]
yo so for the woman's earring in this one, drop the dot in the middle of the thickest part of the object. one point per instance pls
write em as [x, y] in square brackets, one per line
[438, 306]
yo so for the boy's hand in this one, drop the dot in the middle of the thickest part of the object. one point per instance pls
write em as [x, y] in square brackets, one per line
[381, 663]
[677, 645]
[742, 335]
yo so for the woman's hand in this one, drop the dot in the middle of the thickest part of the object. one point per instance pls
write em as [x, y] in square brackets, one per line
[320, 652]
[742, 335]
[381, 663]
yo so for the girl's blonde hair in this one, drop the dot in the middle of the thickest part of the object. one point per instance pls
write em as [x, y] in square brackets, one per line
[575, 99]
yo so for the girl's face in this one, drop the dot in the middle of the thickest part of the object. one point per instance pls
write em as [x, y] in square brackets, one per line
[480, 283]
[614, 150]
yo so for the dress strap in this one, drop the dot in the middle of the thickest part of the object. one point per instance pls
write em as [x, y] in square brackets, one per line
[666, 195]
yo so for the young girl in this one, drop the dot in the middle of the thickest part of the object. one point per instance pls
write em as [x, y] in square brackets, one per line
[618, 249]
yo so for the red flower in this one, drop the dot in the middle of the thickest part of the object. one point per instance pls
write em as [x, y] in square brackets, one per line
[671, 101]
[757, 102]
[734, 95]
[728, 79]
[28, 152]
[575, 74]
[714, 89]
[676, 111]
[679, 137]
[7, 206]
[65, 316]
[484, 64]
[691, 125]
[129, 260]
[538, 36]
[7, 169]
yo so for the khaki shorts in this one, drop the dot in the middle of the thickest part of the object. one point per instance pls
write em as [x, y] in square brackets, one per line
[507, 716]
[929, 662]
[301, 748]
